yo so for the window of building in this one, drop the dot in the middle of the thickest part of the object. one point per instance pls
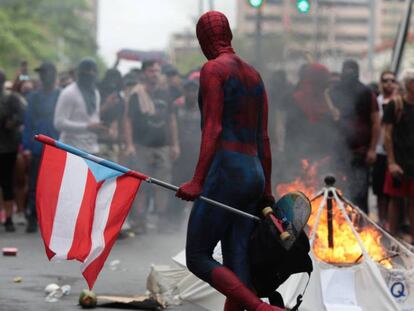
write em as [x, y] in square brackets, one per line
[268, 17]
[274, 1]
[355, 38]
[344, 3]
[352, 20]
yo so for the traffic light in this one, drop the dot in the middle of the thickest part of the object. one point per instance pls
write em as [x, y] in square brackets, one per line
[303, 6]
[256, 3]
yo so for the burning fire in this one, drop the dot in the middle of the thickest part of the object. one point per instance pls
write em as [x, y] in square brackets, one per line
[343, 247]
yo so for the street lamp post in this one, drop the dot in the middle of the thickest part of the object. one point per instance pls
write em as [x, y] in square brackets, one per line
[258, 39]
[258, 5]
[315, 19]
[371, 39]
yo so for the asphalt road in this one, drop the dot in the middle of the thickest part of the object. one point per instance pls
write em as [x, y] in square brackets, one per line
[135, 254]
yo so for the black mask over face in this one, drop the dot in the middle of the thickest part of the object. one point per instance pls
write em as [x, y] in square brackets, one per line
[350, 72]
[87, 75]
[87, 72]
[48, 79]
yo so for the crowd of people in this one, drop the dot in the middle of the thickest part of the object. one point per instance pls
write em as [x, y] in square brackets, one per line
[362, 133]
[144, 120]
[149, 120]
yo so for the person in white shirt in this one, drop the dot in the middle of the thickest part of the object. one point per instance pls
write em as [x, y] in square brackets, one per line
[77, 110]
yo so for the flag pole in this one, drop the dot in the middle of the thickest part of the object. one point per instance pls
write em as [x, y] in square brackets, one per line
[112, 165]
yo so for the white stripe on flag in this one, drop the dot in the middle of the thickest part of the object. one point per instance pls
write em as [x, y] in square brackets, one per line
[69, 202]
[100, 219]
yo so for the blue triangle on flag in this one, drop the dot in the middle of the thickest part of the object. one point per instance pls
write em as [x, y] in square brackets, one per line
[101, 172]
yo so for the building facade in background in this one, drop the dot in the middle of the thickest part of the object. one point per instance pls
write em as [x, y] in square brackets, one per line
[332, 30]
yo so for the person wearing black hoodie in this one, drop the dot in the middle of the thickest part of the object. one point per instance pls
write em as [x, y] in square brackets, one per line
[359, 125]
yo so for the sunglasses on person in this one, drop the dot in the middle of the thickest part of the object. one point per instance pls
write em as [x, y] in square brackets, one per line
[388, 80]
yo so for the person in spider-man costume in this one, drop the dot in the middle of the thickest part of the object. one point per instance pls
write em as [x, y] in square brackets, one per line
[234, 166]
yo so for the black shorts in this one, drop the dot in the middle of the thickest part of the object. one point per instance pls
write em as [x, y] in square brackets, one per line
[7, 165]
[378, 174]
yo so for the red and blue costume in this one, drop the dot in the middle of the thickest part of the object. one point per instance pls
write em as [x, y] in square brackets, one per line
[234, 166]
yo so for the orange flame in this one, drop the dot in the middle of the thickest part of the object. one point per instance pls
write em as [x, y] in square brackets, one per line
[346, 249]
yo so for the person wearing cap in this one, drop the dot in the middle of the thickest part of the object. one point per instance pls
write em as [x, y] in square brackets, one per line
[39, 120]
[77, 111]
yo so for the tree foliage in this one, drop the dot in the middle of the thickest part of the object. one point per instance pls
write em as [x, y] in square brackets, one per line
[38, 30]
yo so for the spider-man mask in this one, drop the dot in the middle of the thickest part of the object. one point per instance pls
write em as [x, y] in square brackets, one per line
[214, 34]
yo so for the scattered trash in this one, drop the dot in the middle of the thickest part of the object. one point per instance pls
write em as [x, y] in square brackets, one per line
[9, 251]
[162, 283]
[54, 292]
[54, 296]
[17, 279]
[66, 289]
[87, 299]
[133, 303]
[50, 288]
[114, 265]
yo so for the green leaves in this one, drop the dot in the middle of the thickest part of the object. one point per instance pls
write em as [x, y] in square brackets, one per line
[38, 30]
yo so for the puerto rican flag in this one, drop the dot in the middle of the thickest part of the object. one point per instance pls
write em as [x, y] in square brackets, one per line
[81, 206]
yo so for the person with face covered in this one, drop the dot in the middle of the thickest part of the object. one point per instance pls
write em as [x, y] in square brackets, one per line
[234, 166]
[359, 128]
[309, 120]
[11, 120]
[77, 111]
[112, 112]
[39, 120]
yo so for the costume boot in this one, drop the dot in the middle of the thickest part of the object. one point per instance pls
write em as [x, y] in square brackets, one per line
[226, 282]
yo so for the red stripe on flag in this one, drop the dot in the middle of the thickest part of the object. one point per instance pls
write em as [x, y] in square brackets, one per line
[49, 180]
[82, 242]
[124, 195]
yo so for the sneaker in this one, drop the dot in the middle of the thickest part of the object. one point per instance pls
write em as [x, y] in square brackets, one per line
[20, 219]
[31, 226]
[405, 228]
[9, 226]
